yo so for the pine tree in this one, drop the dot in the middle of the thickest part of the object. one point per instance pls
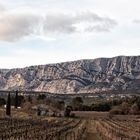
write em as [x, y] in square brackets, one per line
[8, 105]
[16, 99]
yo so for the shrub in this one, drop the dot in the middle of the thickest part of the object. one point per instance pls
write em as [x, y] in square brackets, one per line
[2, 101]
[134, 109]
[116, 111]
[67, 111]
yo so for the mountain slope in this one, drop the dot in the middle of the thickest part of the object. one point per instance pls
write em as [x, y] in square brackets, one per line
[83, 76]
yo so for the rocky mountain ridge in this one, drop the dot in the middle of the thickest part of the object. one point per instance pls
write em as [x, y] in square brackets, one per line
[82, 76]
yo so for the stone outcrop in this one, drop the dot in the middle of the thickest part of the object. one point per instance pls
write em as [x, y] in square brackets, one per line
[83, 76]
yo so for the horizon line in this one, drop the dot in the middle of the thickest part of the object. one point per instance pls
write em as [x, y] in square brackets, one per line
[69, 61]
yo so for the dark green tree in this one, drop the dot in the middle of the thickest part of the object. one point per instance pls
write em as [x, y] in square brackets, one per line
[38, 112]
[2, 101]
[16, 99]
[29, 99]
[41, 97]
[8, 105]
[67, 111]
[77, 103]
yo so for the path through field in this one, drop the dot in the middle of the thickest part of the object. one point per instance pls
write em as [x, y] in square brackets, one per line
[91, 132]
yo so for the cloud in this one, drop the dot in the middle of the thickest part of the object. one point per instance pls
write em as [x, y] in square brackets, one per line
[78, 22]
[137, 21]
[59, 23]
[2, 8]
[14, 27]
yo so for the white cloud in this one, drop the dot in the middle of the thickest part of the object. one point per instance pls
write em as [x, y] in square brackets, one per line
[14, 27]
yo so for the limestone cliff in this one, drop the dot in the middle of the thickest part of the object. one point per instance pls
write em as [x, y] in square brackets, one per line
[83, 76]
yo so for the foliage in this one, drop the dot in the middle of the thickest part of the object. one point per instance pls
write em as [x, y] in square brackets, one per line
[67, 111]
[2, 101]
[8, 105]
[16, 100]
[29, 99]
[125, 109]
[38, 112]
[128, 105]
[77, 103]
[101, 107]
[21, 100]
[59, 105]
[134, 109]
[41, 97]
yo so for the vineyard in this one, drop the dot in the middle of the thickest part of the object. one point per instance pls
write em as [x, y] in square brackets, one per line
[64, 129]
[116, 129]
[69, 129]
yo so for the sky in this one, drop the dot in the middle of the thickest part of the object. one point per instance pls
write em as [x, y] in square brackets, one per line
[35, 32]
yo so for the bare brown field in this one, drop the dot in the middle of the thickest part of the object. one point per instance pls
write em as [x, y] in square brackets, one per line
[103, 115]
[91, 114]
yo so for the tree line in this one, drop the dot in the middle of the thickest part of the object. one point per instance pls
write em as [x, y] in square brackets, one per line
[114, 106]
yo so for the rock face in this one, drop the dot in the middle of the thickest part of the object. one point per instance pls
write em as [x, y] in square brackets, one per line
[83, 76]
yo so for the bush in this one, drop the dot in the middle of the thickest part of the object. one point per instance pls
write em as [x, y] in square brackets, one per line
[67, 111]
[101, 107]
[41, 97]
[125, 109]
[77, 103]
[116, 111]
[134, 109]
[72, 115]
[2, 101]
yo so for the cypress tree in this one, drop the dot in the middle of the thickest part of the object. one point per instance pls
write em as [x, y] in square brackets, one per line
[16, 99]
[8, 105]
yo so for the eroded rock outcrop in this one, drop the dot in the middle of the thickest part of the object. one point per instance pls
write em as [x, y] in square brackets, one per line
[83, 76]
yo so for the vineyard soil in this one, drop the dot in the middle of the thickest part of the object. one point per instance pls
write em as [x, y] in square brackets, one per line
[91, 132]
[85, 126]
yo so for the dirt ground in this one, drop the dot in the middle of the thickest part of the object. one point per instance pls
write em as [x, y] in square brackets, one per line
[91, 132]
[103, 115]
[90, 114]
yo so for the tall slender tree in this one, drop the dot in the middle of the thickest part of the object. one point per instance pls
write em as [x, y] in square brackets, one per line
[8, 105]
[16, 99]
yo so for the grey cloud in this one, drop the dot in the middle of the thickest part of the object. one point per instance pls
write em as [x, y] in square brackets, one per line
[59, 23]
[13, 27]
[88, 16]
[137, 21]
[2, 8]
[66, 23]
